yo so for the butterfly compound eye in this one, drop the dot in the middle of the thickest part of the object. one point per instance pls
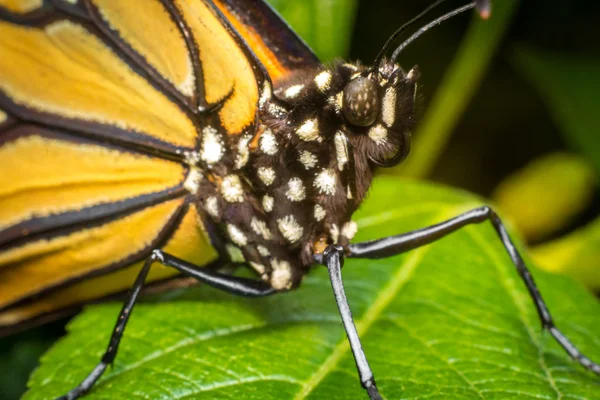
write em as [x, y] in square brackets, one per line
[361, 102]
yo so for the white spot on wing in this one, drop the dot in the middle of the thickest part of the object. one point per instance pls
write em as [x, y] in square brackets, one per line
[191, 157]
[341, 149]
[309, 130]
[237, 236]
[323, 80]
[266, 175]
[192, 181]
[268, 143]
[325, 181]
[388, 112]
[212, 149]
[290, 228]
[378, 134]
[296, 190]
[232, 190]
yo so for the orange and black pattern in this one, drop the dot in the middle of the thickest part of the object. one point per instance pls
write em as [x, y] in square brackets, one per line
[102, 108]
[203, 128]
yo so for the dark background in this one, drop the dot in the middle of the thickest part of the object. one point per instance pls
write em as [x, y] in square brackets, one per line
[505, 126]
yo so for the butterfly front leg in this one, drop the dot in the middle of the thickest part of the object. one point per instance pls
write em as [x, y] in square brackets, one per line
[231, 284]
[394, 245]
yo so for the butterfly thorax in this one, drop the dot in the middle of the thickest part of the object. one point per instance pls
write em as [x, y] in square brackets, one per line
[309, 168]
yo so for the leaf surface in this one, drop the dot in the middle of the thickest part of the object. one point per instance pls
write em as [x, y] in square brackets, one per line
[448, 321]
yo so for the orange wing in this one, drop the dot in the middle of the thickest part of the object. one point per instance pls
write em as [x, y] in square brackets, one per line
[102, 102]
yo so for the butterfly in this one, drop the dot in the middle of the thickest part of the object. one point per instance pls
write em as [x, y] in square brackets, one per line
[147, 140]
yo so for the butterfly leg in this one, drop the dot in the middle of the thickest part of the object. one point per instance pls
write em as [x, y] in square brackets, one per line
[401, 243]
[231, 284]
[333, 258]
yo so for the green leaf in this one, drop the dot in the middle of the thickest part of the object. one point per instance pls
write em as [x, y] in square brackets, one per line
[569, 84]
[576, 255]
[448, 321]
[325, 25]
[457, 88]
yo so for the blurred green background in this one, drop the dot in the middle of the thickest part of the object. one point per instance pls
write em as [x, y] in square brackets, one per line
[510, 109]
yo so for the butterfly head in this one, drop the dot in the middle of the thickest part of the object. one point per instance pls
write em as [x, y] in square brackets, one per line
[379, 104]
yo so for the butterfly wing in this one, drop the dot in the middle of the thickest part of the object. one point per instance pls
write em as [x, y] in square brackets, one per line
[275, 44]
[101, 104]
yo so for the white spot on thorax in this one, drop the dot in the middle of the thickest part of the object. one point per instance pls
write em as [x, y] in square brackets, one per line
[335, 233]
[237, 236]
[212, 206]
[232, 190]
[267, 203]
[296, 190]
[309, 130]
[341, 149]
[290, 228]
[192, 181]
[212, 149]
[308, 159]
[263, 251]
[325, 182]
[277, 110]
[293, 91]
[260, 228]
[378, 134]
[243, 154]
[349, 230]
[268, 143]
[281, 277]
[261, 269]
[266, 175]
[266, 94]
[323, 80]
[191, 157]
[320, 212]
[388, 111]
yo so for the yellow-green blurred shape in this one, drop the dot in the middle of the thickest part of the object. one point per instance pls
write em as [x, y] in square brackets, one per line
[547, 194]
[576, 255]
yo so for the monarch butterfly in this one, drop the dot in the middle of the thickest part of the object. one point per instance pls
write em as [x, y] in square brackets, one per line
[220, 137]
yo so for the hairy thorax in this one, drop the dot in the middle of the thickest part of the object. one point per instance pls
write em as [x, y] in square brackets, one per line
[291, 187]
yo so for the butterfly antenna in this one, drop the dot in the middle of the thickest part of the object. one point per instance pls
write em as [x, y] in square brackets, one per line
[388, 44]
[483, 8]
[430, 25]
